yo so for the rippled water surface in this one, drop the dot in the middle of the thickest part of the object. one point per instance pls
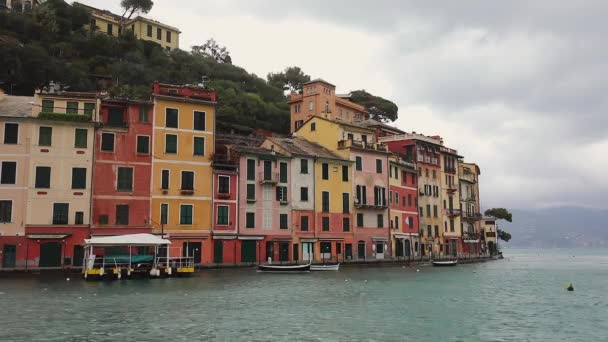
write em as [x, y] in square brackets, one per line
[521, 298]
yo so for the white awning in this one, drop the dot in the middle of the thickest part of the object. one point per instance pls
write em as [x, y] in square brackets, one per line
[127, 240]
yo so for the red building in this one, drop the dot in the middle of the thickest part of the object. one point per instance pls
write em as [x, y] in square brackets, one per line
[225, 196]
[403, 209]
[122, 168]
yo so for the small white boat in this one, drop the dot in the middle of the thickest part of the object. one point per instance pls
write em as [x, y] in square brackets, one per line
[445, 263]
[325, 267]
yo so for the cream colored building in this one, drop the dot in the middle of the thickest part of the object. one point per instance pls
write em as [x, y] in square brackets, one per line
[450, 198]
[143, 28]
[15, 133]
[61, 155]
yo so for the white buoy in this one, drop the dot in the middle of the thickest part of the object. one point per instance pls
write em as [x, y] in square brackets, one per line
[417, 270]
[67, 279]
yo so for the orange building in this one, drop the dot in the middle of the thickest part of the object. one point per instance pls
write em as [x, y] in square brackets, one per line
[319, 98]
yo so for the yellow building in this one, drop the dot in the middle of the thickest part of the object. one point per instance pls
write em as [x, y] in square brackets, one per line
[184, 125]
[450, 196]
[143, 28]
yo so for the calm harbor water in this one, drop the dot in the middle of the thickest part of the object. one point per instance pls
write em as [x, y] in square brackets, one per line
[521, 298]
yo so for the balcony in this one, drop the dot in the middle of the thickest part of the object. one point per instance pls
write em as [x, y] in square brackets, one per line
[268, 178]
[222, 195]
[349, 143]
[283, 201]
[360, 205]
[449, 169]
[186, 191]
[451, 187]
[64, 117]
[452, 212]
[221, 162]
[471, 217]
[470, 198]
[470, 237]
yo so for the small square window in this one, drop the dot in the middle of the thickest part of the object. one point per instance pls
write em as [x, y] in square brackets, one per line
[107, 142]
[199, 146]
[45, 136]
[171, 118]
[143, 144]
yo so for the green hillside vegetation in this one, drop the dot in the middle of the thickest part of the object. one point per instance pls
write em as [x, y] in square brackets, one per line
[54, 44]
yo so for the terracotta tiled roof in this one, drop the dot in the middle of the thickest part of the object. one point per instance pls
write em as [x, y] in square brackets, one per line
[303, 147]
[16, 106]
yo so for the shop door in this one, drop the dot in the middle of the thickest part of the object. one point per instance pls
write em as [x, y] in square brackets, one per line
[307, 251]
[9, 255]
[283, 251]
[78, 256]
[361, 250]
[348, 251]
[50, 254]
[379, 250]
[248, 251]
[192, 249]
[218, 251]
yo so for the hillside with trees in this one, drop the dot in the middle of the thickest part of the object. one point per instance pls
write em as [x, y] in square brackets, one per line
[55, 43]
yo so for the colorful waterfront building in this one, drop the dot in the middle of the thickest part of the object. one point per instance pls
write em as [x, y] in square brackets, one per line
[317, 234]
[122, 168]
[182, 176]
[450, 196]
[15, 132]
[425, 151]
[104, 21]
[368, 180]
[58, 202]
[319, 98]
[225, 206]
[403, 207]
[264, 229]
[468, 174]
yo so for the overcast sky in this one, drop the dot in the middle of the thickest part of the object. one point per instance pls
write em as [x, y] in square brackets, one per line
[519, 87]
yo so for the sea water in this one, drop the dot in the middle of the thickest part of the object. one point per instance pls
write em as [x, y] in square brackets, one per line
[520, 298]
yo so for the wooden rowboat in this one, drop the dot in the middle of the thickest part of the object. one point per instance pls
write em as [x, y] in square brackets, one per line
[283, 268]
[445, 263]
[325, 267]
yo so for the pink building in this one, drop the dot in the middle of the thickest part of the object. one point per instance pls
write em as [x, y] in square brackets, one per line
[264, 229]
[370, 188]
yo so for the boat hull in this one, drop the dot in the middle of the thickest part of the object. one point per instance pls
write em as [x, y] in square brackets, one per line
[330, 267]
[445, 263]
[284, 268]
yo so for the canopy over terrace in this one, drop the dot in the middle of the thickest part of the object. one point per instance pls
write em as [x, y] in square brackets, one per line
[127, 240]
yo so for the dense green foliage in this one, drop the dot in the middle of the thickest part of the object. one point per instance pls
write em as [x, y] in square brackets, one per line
[500, 213]
[379, 109]
[504, 236]
[291, 79]
[53, 44]
[64, 117]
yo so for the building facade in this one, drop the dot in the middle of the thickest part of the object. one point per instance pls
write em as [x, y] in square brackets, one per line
[264, 212]
[403, 207]
[15, 132]
[122, 168]
[450, 196]
[58, 203]
[319, 98]
[225, 208]
[106, 22]
[182, 176]
[468, 174]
